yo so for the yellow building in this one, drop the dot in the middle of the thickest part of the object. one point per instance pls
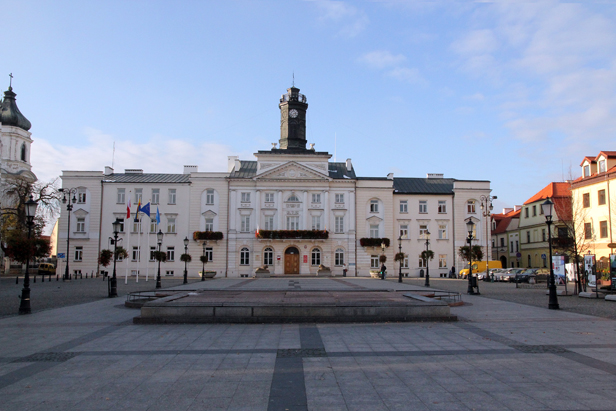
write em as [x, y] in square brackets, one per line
[594, 207]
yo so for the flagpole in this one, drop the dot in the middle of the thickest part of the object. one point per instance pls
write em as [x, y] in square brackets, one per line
[138, 251]
[129, 228]
[147, 265]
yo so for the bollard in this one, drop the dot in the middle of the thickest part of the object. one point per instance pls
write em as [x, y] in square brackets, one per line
[34, 278]
[16, 279]
[57, 277]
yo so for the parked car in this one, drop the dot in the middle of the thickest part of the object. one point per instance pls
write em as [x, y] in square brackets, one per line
[46, 269]
[526, 275]
[510, 274]
[495, 274]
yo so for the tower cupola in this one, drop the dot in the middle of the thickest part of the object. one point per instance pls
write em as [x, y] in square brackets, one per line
[293, 106]
[10, 114]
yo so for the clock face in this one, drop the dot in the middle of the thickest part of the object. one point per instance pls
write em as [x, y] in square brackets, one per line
[293, 113]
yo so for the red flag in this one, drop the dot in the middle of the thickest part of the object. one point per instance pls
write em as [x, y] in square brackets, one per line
[128, 210]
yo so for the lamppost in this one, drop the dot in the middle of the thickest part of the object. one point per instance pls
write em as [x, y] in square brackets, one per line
[159, 240]
[470, 227]
[203, 261]
[24, 305]
[185, 261]
[69, 207]
[547, 207]
[427, 284]
[383, 263]
[400, 253]
[486, 208]
[113, 288]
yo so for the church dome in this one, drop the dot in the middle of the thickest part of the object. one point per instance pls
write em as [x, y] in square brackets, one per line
[10, 114]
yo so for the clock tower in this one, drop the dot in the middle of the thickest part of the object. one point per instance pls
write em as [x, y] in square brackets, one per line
[293, 108]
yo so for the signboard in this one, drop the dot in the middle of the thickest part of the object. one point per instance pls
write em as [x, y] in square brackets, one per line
[518, 255]
[558, 262]
[305, 258]
[277, 258]
[613, 270]
[60, 255]
[589, 269]
[543, 256]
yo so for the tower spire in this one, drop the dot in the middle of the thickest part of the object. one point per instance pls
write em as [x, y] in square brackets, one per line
[11, 81]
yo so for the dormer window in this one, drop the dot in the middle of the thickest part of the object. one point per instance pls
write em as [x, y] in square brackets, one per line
[587, 170]
[602, 168]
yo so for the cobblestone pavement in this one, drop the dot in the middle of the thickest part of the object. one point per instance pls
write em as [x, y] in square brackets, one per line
[501, 355]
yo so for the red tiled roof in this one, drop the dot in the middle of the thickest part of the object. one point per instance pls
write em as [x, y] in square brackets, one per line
[608, 154]
[503, 220]
[552, 190]
[590, 160]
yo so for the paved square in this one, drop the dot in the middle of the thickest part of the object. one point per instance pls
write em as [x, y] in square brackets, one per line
[499, 356]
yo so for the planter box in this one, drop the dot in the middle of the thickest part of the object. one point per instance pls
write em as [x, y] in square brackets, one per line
[209, 274]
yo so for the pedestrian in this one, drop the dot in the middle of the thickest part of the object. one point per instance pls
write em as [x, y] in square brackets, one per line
[344, 270]
[383, 269]
[453, 272]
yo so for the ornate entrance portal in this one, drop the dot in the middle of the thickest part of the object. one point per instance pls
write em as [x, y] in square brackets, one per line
[291, 261]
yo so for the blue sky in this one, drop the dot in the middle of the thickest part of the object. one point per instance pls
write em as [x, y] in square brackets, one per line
[515, 93]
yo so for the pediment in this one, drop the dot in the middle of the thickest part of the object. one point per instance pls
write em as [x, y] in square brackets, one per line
[293, 171]
[80, 212]
[374, 220]
[209, 214]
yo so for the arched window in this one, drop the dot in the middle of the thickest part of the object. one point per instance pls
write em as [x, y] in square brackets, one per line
[245, 256]
[23, 152]
[268, 256]
[316, 256]
[339, 257]
[293, 199]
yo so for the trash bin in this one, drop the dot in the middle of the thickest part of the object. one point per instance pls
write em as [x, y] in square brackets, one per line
[421, 273]
[473, 280]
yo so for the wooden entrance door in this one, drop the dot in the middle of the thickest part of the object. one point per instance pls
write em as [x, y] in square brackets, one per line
[291, 261]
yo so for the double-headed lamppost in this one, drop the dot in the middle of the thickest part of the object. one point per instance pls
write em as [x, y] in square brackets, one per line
[547, 209]
[159, 240]
[24, 306]
[402, 260]
[69, 207]
[470, 227]
[486, 208]
[203, 261]
[113, 288]
[185, 261]
[427, 284]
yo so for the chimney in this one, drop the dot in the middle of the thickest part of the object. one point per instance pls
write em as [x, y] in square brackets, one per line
[133, 171]
[190, 169]
[108, 170]
[435, 175]
[507, 210]
[238, 164]
[231, 163]
[349, 165]
[517, 207]
[390, 176]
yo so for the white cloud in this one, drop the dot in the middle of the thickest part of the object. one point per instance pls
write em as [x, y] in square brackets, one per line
[159, 155]
[476, 42]
[350, 20]
[381, 59]
[409, 75]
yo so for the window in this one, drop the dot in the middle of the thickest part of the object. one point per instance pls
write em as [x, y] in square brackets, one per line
[316, 222]
[404, 206]
[81, 224]
[269, 197]
[269, 222]
[245, 197]
[511, 246]
[339, 225]
[170, 253]
[315, 257]
[171, 224]
[442, 232]
[121, 221]
[339, 257]
[209, 197]
[153, 226]
[423, 229]
[543, 234]
[268, 256]
[404, 231]
[339, 198]
[587, 231]
[442, 261]
[602, 166]
[209, 224]
[603, 229]
[586, 200]
[23, 152]
[374, 206]
[172, 196]
[245, 225]
[155, 195]
[470, 206]
[374, 261]
[169, 273]
[374, 231]
[442, 207]
[528, 236]
[152, 251]
[601, 197]
[517, 246]
[563, 232]
[136, 225]
[316, 198]
[502, 241]
[81, 195]
[136, 254]
[421, 262]
[405, 262]
[292, 223]
[525, 212]
[209, 253]
[587, 171]
[534, 210]
[138, 195]
[244, 256]
[423, 207]
[121, 199]
[293, 199]
[79, 253]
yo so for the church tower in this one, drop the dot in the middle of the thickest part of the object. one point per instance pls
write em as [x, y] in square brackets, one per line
[293, 108]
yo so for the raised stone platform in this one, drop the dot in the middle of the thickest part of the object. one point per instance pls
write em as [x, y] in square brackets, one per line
[292, 306]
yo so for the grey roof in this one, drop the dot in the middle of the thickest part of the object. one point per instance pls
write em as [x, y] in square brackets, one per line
[147, 178]
[423, 185]
[337, 171]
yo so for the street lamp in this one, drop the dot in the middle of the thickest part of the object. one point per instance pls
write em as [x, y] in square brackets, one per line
[69, 207]
[185, 260]
[487, 207]
[159, 240]
[113, 288]
[383, 253]
[470, 227]
[400, 253]
[24, 305]
[427, 284]
[547, 211]
[203, 261]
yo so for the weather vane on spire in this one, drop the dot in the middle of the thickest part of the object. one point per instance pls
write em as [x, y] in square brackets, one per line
[293, 78]
[11, 80]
